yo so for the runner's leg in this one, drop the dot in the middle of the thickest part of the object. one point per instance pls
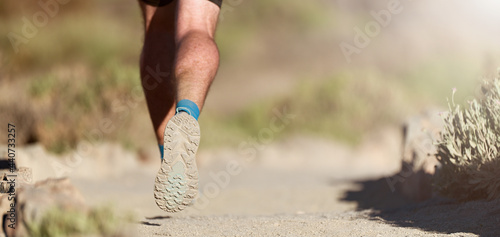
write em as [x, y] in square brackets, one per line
[197, 58]
[156, 64]
[194, 56]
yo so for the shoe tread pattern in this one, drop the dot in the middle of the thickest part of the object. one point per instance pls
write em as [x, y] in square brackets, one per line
[176, 184]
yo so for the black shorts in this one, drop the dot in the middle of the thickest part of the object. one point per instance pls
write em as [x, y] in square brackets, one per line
[159, 3]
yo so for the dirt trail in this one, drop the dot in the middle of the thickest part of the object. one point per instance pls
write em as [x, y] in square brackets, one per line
[296, 187]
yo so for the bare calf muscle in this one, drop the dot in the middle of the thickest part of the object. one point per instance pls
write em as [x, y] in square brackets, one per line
[178, 41]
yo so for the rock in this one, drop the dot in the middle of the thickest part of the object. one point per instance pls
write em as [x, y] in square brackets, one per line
[24, 175]
[419, 162]
[33, 200]
[4, 208]
[39, 186]
[4, 184]
[39, 161]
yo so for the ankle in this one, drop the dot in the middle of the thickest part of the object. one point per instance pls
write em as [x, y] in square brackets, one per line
[189, 107]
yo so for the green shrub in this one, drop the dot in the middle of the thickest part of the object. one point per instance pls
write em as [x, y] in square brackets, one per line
[469, 148]
[101, 221]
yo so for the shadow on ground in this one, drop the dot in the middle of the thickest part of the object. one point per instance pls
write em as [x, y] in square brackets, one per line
[148, 223]
[153, 218]
[158, 217]
[435, 215]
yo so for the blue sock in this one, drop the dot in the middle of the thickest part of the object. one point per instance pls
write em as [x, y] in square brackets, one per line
[161, 151]
[189, 107]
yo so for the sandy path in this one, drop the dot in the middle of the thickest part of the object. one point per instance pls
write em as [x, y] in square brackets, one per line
[293, 196]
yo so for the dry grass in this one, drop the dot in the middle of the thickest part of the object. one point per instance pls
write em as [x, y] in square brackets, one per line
[82, 69]
[469, 148]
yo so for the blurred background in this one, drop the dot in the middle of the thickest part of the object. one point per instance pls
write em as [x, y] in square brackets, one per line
[80, 68]
[351, 72]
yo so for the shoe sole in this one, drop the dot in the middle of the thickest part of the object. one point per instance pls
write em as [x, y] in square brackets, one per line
[176, 184]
